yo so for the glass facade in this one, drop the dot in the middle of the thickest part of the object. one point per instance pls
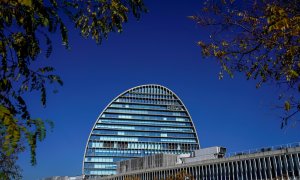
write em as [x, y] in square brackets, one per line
[145, 120]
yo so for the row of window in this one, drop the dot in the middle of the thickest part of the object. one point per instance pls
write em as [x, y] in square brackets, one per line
[141, 122]
[132, 153]
[144, 117]
[130, 111]
[144, 128]
[109, 138]
[148, 101]
[145, 146]
[137, 133]
[102, 172]
[100, 165]
[150, 96]
[152, 89]
[146, 106]
[140, 139]
[129, 153]
[113, 152]
[104, 159]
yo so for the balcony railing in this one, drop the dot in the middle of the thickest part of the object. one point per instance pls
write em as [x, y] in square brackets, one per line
[263, 149]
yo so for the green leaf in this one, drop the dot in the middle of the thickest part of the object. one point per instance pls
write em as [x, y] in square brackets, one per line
[21, 100]
[64, 35]
[43, 95]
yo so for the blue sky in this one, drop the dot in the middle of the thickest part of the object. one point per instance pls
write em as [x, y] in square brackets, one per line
[160, 49]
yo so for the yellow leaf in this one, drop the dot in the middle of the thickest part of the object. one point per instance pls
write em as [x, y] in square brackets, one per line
[287, 106]
[293, 74]
[224, 43]
[26, 2]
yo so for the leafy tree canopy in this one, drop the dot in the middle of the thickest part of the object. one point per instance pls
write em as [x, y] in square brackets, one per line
[259, 39]
[25, 26]
[8, 167]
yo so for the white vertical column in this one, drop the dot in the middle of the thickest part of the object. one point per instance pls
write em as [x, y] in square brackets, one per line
[237, 169]
[213, 171]
[281, 165]
[270, 167]
[205, 170]
[286, 165]
[242, 169]
[259, 168]
[292, 165]
[246, 169]
[197, 169]
[255, 162]
[264, 167]
[224, 171]
[233, 170]
[250, 168]
[202, 172]
[221, 171]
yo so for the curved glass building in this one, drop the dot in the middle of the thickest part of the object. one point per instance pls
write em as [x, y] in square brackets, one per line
[144, 120]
